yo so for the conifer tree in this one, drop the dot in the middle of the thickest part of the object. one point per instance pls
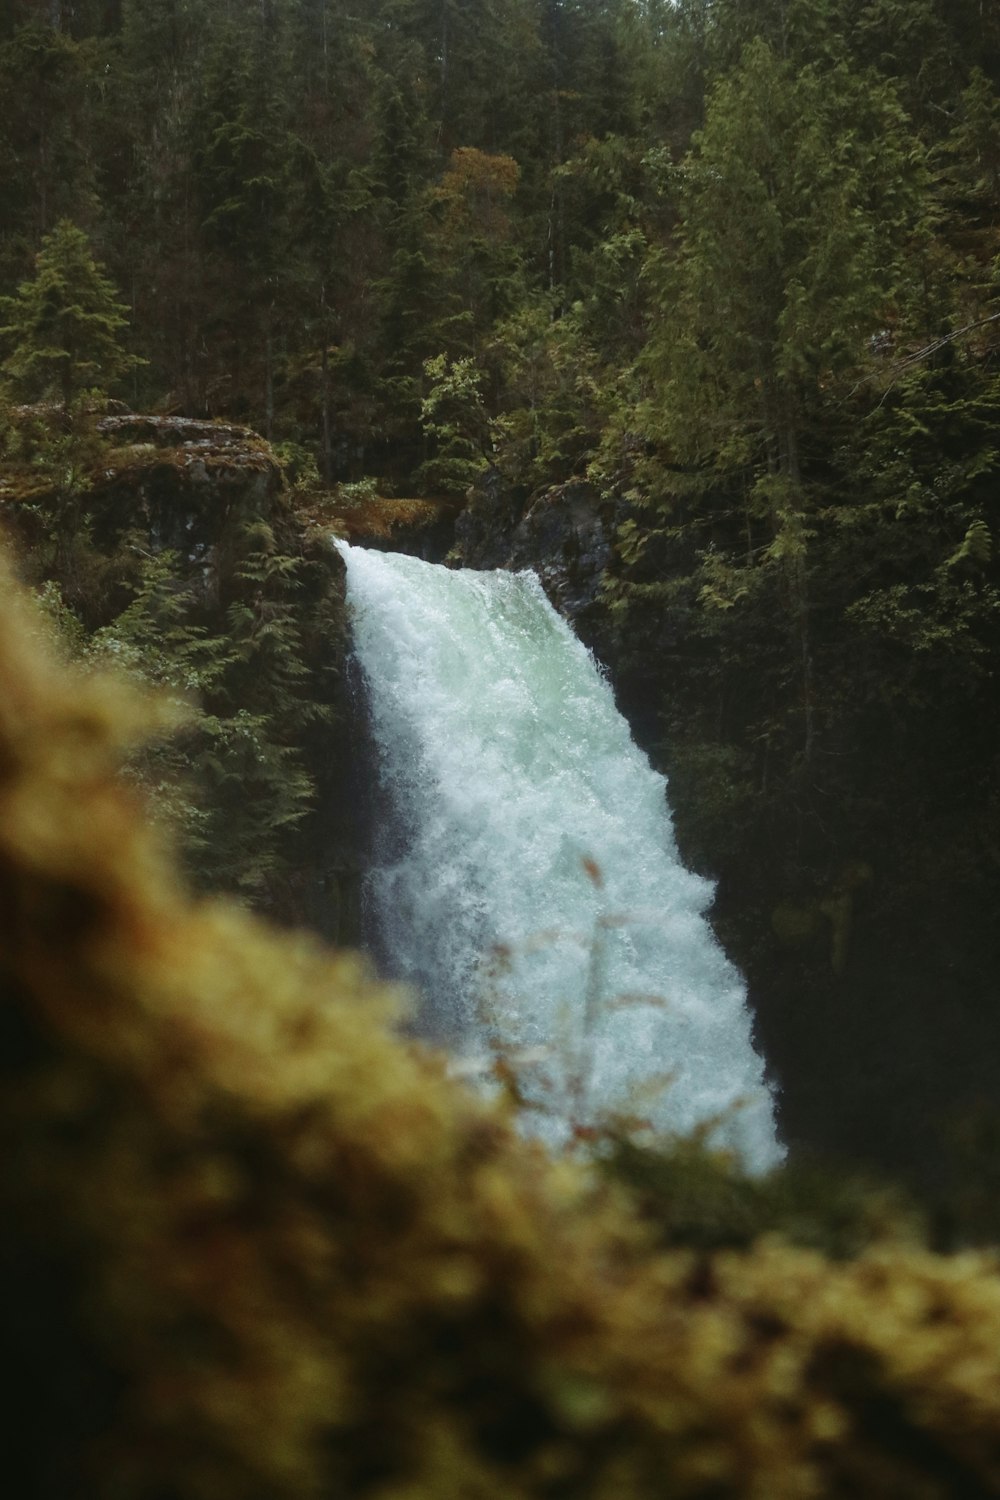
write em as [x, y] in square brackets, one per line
[64, 326]
[47, 165]
[798, 218]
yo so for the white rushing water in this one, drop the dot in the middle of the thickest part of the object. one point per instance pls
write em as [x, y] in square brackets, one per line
[527, 878]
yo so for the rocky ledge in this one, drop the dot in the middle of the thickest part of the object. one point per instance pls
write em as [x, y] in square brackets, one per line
[563, 533]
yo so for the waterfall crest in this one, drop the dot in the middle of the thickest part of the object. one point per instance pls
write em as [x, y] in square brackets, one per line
[528, 880]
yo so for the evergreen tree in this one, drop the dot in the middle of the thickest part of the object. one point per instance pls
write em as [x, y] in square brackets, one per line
[240, 154]
[64, 326]
[799, 208]
[47, 165]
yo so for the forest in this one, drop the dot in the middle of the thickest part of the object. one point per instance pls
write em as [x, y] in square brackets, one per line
[734, 268]
[723, 274]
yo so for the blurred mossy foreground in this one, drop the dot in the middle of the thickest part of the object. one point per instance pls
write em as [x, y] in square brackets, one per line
[255, 1245]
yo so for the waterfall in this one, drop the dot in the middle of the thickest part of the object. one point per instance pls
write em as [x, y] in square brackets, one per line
[527, 879]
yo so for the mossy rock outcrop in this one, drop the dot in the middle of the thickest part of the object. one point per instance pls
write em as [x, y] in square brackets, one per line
[248, 581]
[423, 528]
[164, 483]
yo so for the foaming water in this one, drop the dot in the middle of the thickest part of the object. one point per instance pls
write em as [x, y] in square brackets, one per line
[528, 882]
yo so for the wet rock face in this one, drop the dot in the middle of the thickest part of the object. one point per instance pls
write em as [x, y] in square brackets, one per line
[484, 530]
[564, 534]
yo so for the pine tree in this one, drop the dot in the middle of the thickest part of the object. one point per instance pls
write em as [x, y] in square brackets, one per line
[64, 326]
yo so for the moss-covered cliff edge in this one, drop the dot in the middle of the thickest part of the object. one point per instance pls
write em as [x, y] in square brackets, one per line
[175, 549]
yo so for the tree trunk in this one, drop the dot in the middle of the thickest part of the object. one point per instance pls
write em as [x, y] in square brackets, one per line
[268, 385]
[798, 577]
[324, 396]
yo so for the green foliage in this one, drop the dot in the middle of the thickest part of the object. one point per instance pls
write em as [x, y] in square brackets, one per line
[48, 167]
[554, 395]
[154, 642]
[50, 464]
[797, 206]
[454, 417]
[235, 784]
[64, 326]
[228, 651]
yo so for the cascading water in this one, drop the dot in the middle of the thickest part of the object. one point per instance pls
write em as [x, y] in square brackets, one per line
[527, 880]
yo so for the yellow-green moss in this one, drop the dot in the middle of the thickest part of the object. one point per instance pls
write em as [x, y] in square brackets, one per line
[376, 518]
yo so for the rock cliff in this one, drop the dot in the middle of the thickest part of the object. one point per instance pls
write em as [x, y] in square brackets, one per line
[563, 533]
